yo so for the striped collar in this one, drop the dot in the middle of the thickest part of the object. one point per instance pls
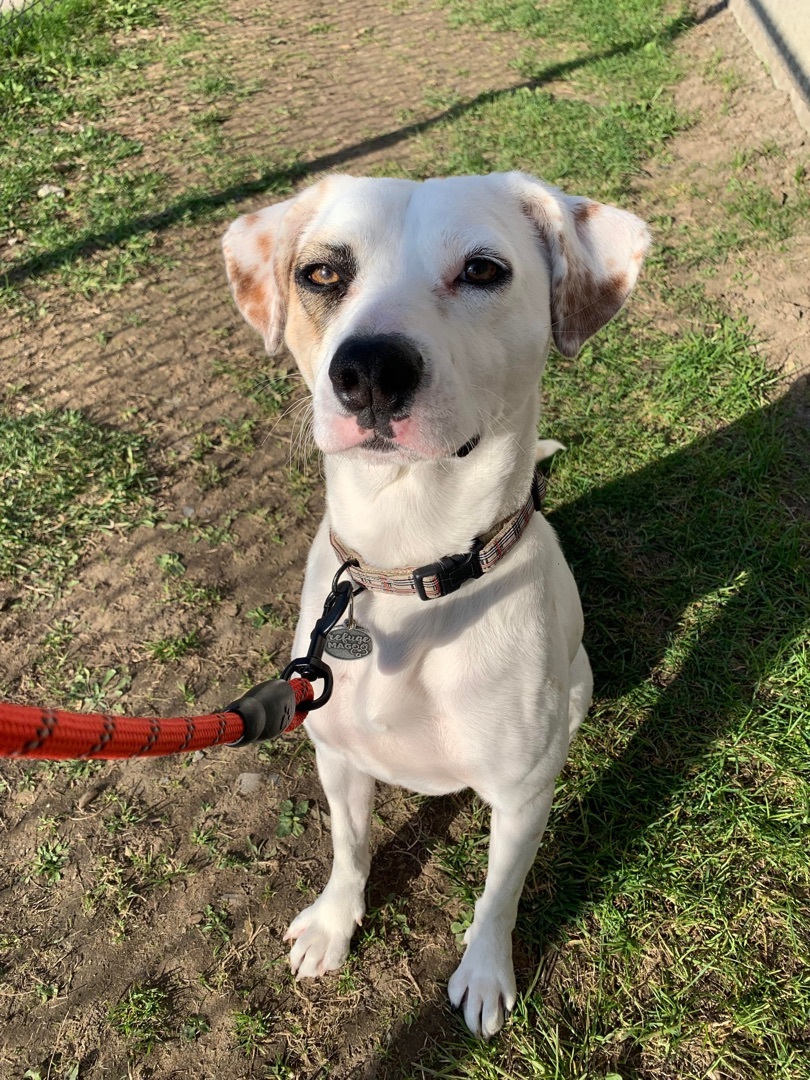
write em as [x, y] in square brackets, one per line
[451, 571]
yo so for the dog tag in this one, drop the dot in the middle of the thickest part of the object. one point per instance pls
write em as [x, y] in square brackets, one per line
[346, 642]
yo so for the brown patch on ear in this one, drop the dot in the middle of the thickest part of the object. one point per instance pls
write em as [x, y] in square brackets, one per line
[249, 293]
[581, 305]
[584, 211]
[265, 242]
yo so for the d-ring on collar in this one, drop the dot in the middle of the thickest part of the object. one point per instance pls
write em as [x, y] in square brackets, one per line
[451, 571]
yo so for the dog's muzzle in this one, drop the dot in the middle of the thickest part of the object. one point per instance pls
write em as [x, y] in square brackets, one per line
[376, 377]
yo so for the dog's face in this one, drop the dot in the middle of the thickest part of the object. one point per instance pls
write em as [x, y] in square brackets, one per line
[420, 315]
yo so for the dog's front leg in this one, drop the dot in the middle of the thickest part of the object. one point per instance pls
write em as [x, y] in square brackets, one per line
[484, 982]
[322, 932]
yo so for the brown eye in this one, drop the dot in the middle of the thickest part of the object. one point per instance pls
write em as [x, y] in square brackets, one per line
[482, 272]
[323, 275]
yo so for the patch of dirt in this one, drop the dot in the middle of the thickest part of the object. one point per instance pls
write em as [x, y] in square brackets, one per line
[159, 352]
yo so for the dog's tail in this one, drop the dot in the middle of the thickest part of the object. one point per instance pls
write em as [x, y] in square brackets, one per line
[547, 448]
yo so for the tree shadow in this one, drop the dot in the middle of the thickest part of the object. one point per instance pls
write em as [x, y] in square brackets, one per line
[719, 518]
[194, 206]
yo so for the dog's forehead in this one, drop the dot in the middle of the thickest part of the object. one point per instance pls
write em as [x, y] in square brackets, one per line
[455, 214]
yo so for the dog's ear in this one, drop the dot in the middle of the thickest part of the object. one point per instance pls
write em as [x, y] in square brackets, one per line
[595, 253]
[259, 249]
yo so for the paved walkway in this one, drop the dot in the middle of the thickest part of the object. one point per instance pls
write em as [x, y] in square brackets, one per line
[779, 32]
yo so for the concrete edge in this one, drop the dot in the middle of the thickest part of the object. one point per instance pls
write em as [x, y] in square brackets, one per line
[775, 53]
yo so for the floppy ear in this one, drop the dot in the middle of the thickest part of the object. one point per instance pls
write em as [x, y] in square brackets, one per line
[595, 254]
[258, 250]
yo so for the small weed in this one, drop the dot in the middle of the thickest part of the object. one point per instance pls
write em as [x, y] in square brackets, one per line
[46, 991]
[143, 1017]
[291, 817]
[215, 926]
[200, 596]
[171, 563]
[265, 616]
[194, 1026]
[49, 860]
[239, 434]
[269, 389]
[461, 925]
[90, 691]
[126, 816]
[210, 476]
[170, 649]
[252, 1029]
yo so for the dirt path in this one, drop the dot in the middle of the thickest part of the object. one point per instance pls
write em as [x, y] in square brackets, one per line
[177, 897]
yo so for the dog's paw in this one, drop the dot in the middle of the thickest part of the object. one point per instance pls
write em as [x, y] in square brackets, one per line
[321, 935]
[484, 985]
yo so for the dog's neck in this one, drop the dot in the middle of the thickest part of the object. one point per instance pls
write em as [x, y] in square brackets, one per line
[409, 515]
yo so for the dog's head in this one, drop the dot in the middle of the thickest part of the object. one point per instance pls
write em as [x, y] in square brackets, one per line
[420, 315]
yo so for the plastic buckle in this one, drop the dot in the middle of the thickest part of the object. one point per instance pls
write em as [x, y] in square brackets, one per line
[538, 489]
[451, 571]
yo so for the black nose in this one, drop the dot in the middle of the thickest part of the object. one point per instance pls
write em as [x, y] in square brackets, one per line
[376, 377]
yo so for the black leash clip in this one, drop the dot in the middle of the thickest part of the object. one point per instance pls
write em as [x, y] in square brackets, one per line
[312, 666]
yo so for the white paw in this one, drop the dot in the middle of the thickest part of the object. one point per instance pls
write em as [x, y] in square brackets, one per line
[321, 935]
[484, 984]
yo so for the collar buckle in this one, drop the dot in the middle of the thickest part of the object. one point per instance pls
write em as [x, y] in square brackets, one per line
[450, 572]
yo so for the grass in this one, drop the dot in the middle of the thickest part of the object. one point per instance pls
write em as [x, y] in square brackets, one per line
[167, 650]
[80, 202]
[143, 1017]
[64, 478]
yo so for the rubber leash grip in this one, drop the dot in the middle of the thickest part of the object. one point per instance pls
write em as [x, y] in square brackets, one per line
[267, 710]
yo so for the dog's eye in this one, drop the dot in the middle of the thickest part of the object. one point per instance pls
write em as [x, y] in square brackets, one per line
[322, 275]
[481, 271]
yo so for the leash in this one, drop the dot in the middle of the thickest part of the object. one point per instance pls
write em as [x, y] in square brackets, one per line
[277, 705]
[265, 712]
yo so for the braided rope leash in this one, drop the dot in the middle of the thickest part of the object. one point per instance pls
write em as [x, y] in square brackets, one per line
[55, 735]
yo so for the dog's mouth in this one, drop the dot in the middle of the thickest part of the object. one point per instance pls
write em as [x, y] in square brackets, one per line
[468, 446]
[382, 444]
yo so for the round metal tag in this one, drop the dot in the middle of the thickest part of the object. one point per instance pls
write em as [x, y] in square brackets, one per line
[348, 642]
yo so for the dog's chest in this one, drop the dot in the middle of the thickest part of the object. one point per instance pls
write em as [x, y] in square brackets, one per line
[391, 729]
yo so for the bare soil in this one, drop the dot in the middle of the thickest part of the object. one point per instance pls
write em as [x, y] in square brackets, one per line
[147, 355]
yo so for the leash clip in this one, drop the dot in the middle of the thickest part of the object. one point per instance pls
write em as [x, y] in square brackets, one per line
[311, 666]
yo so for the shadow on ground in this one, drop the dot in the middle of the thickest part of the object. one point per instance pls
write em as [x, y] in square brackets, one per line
[644, 548]
[193, 206]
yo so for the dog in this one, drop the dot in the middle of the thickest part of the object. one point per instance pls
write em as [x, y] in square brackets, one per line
[420, 316]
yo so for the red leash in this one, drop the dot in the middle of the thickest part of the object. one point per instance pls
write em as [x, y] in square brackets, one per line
[265, 712]
[54, 735]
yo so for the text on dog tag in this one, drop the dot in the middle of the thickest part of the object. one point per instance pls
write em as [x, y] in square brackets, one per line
[346, 642]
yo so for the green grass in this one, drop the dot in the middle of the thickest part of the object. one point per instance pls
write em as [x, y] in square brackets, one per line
[63, 478]
[167, 650]
[252, 1030]
[143, 1017]
[60, 74]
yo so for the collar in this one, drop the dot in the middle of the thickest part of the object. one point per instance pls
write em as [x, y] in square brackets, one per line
[451, 571]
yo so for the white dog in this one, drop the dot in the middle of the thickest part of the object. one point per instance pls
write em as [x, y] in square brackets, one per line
[420, 316]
